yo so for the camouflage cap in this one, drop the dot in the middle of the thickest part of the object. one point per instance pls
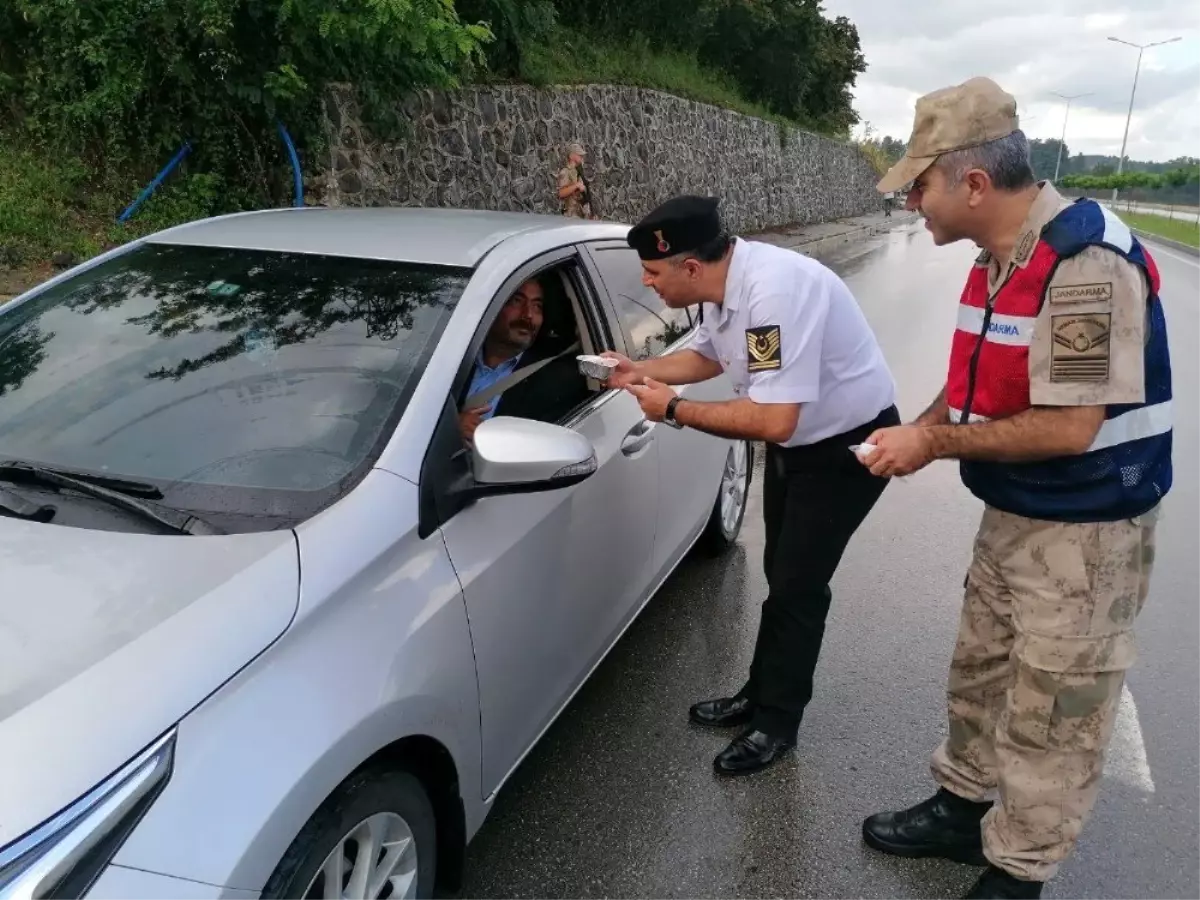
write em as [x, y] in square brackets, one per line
[576, 148]
[953, 118]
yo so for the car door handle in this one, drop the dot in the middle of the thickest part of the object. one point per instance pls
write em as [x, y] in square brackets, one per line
[638, 437]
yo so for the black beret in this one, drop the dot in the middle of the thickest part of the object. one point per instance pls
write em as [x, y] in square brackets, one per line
[677, 226]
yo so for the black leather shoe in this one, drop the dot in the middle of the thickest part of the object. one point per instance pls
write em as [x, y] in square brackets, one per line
[750, 751]
[997, 883]
[945, 825]
[723, 712]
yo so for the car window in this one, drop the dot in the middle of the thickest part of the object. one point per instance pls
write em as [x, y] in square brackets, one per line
[649, 326]
[556, 387]
[236, 381]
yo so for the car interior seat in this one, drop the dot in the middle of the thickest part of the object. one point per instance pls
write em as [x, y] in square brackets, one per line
[559, 328]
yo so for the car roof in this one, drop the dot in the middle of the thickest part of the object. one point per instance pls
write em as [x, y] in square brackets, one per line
[449, 237]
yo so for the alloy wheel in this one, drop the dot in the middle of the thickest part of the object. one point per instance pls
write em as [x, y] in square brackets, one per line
[734, 487]
[377, 858]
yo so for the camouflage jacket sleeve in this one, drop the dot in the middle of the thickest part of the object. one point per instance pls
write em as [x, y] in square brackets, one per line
[566, 176]
[1090, 336]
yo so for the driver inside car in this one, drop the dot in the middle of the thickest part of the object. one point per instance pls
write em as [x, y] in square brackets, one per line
[512, 334]
[535, 331]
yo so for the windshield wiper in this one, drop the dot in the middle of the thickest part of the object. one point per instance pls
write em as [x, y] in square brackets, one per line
[18, 507]
[184, 523]
[120, 485]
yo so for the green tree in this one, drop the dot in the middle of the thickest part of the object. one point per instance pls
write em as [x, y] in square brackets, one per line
[515, 25]
[787, 56]
[1176, 177]
[1043, 156]
[127, 81]
[893, 148]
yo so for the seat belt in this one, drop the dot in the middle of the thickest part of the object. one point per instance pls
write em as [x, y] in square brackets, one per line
[484, 396]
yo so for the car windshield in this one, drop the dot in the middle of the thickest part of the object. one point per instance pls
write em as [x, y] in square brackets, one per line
[254, 384]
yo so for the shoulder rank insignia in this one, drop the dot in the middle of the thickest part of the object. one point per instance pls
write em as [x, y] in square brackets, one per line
[765, 348]
[1024, 248]
[1081, 347]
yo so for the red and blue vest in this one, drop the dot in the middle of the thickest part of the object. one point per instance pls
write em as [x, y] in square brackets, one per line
[1127, 470]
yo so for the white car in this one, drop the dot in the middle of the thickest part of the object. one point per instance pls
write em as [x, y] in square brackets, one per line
[268, 625]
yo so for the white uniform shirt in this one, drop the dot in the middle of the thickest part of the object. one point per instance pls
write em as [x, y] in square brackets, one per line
[790, 331]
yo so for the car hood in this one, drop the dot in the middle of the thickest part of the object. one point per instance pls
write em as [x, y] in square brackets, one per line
[108, 639]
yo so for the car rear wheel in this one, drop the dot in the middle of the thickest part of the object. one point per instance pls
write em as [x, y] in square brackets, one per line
[725, 521]
[374, 837]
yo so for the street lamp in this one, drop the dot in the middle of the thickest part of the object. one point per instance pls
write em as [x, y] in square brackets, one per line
[1141, 48]
[1063, 139]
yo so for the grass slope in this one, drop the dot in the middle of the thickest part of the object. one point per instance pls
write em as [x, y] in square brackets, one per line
[1182, 230]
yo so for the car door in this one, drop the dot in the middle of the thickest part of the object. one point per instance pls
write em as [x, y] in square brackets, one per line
[690, 463]
[550, 579]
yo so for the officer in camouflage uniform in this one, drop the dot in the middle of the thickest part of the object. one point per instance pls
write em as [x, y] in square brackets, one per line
[571, 189]
[1057, 404]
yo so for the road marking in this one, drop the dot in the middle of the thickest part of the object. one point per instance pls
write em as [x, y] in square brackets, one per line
[1159, 249]
[1126, 759]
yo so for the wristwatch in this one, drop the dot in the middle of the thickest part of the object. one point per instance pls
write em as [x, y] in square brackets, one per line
[669, 415]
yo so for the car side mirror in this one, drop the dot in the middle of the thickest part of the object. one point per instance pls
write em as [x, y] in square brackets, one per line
[519, 456]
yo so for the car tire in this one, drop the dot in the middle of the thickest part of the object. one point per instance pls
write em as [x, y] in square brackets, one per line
[391, 806]
[724, 524]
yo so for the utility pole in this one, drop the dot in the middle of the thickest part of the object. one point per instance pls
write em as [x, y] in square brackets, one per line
[1063, 139]
[1141, 48]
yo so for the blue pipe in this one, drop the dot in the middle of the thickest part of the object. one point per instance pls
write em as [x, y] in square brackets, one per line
[152, 186]
[291, 149]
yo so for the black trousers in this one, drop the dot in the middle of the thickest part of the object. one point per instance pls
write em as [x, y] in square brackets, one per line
[814, 498]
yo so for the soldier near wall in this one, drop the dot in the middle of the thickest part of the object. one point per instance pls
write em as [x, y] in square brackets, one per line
[573, 190]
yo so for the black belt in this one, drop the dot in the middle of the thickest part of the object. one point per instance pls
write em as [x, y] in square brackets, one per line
[840, 443]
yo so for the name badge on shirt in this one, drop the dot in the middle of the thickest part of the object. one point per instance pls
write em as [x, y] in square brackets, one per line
[765, 348]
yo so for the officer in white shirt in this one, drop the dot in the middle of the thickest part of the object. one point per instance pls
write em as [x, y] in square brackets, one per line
[810, 381]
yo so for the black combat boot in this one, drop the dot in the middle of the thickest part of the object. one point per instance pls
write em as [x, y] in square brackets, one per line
[945, 825]
[996, 883]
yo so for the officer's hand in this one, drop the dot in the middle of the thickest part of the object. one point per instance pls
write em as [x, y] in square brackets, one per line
[624, 374]
[900, 450]
[653, 397]
[468, 421]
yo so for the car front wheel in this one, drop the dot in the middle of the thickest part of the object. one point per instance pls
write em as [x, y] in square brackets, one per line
[725, 521]
[374, 837]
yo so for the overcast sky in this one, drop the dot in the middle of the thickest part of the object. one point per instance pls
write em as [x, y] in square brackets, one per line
[1034, 48]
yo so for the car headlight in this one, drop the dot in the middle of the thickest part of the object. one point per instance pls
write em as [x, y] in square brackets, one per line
[64, 856]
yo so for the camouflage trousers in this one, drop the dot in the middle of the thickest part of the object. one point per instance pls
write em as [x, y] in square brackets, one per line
[1044, 641]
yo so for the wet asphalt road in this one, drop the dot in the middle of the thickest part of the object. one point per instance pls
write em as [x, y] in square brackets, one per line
[619, 799]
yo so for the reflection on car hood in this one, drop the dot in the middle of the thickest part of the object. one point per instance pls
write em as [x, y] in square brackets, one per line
[107, 639]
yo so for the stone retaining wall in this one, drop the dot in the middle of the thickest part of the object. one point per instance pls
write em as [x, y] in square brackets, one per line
[501, 147]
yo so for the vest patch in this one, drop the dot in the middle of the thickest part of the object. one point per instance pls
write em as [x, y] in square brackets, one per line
[1081, 348]
[1003, 328]
[1082, 293]
[765, 347]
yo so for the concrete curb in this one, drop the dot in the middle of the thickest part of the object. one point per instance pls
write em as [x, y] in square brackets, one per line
[832, 240]
[1167, 242]
[820, 244]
